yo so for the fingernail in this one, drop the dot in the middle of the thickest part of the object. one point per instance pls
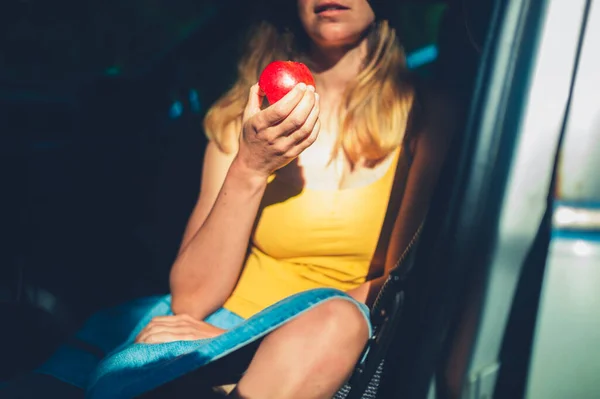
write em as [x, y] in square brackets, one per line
[302, 86]
[311, 88]
[317, 96]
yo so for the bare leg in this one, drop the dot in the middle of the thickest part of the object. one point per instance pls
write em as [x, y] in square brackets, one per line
[308, 358]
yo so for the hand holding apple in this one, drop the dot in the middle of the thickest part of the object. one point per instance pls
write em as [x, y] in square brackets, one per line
[272, 137]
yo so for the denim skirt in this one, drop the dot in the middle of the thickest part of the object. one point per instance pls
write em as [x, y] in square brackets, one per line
[131, 369]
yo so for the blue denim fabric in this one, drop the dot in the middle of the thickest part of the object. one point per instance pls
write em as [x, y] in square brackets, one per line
[133, 369]
[224, 319]
[107, 330]
[104, 330]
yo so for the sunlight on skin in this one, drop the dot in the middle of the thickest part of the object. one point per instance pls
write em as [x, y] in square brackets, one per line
[320, 174]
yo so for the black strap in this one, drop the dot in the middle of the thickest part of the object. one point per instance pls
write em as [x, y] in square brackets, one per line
[391, 214]
[385, 318]
[385, 313]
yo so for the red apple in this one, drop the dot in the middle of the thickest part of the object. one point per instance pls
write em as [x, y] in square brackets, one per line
[279, 77]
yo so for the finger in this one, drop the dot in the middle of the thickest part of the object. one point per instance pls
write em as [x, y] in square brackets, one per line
[303, 145]
[163, 318]
[281, 109]
[307, 128]
[168, 324]
[298, 117]
[142, 333]
[164, 321]
[158, 339]
[255, 98]
[173, 319]
[162, 338]
[182, 334]
[143, 336]
[156, 329]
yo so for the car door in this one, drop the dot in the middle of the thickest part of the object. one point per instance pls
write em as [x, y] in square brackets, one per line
[566, 356]
[482, 268]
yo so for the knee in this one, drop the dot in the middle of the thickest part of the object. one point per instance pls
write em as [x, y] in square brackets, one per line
[341, 323]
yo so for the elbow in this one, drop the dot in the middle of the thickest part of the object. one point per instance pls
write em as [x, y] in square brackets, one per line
[196, 301]
[197, 295]
[188, 303]
[181, 299]
[197, 306]
[181, 305]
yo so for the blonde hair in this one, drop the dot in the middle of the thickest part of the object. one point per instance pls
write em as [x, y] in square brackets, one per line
[374, 116]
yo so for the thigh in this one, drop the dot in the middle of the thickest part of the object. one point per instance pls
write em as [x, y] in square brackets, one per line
[327, 314]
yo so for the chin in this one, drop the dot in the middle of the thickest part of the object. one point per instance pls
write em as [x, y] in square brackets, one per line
[336, 38]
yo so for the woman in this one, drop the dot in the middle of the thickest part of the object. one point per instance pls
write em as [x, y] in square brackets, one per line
[293, 197]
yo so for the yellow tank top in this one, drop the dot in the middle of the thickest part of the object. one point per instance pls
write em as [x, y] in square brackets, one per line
[311, 239]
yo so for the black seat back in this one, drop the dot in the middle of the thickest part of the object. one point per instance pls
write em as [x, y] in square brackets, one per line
[396, 314]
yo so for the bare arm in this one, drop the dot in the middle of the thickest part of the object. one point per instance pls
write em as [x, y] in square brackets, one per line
[214, 171]
[217, 236]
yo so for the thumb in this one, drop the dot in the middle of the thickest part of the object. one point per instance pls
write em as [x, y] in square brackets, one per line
[255, 99]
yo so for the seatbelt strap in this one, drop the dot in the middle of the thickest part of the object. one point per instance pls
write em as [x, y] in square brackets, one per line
[391, 214]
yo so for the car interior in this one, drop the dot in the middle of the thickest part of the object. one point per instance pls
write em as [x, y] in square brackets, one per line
[104, 171]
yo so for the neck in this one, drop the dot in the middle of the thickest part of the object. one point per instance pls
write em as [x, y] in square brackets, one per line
[334, 69]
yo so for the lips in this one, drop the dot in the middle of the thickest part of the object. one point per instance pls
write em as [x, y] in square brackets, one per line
[328, 6]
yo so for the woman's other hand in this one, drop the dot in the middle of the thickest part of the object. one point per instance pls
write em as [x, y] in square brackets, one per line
[176, 328]
[274, 136]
